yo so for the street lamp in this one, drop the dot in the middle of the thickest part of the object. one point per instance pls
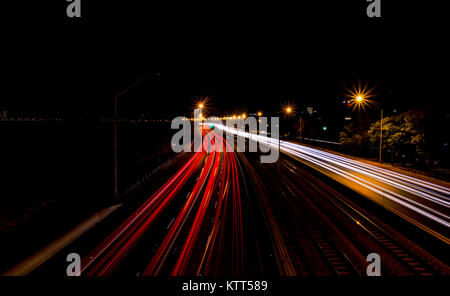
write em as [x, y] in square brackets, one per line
[288, 111]
[362, 100]
[201, 103]
[116, 115]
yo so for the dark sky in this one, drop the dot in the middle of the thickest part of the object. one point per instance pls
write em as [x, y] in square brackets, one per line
[251, 56]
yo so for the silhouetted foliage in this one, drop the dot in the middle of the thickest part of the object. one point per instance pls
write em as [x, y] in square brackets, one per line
[403, 137]
[354, 139]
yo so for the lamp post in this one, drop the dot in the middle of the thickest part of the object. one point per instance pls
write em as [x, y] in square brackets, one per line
[381, 133]
[300, 127]
[200, 106]
[116, 115]
[361, 100]
[288, 110]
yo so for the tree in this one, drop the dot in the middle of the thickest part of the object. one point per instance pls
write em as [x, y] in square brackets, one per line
[354, 138]
[403, 136]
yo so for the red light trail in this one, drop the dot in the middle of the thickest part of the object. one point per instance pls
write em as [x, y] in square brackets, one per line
[217, 184]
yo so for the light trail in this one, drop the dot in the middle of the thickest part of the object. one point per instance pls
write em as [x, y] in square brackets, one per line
[111, 251]
[194, 245]
[229, 185]
[209, 182]
[423, 203]
[219, 175]
[168, 243]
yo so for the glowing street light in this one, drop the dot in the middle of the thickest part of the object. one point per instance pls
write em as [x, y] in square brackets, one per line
[201, 103]
[360, 98]
[360, 95]
[288, 109]
[259, 113]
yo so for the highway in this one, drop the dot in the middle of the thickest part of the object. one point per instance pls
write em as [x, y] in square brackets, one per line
[209, 221]
[225, 213]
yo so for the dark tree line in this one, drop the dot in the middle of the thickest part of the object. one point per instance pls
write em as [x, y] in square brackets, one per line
[408, 137]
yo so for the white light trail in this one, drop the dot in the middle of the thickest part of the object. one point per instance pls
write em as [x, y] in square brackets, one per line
[426, 199]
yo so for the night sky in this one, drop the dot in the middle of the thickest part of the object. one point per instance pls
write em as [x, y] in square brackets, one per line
[244, 57]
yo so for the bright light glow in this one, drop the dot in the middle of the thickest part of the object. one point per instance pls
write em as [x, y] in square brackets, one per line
[288, 109]
[359, 95]
[260, 114]
[201, 103]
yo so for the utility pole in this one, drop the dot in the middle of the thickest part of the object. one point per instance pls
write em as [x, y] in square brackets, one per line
[381, 134]
[300, 127]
